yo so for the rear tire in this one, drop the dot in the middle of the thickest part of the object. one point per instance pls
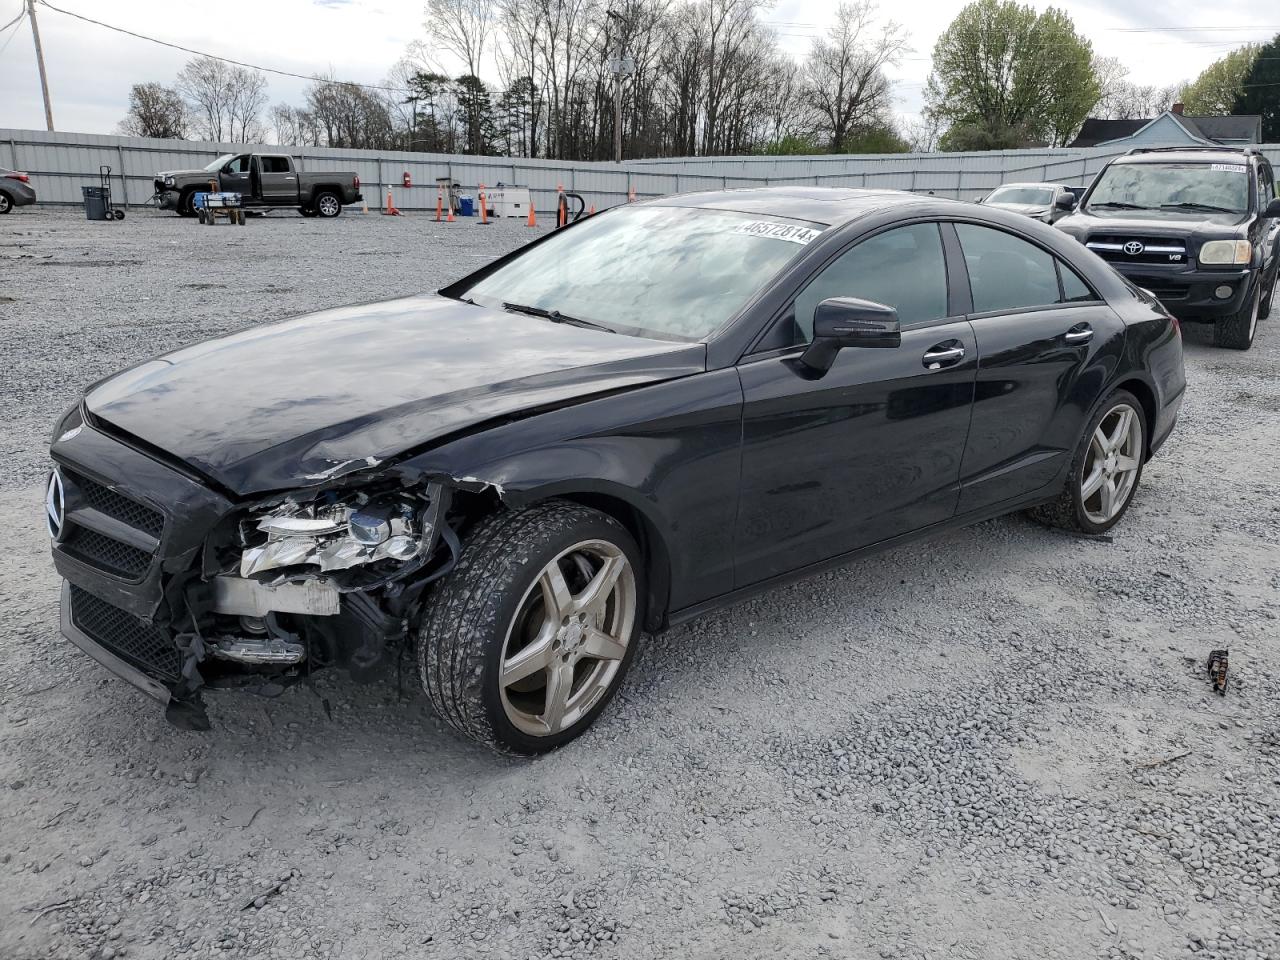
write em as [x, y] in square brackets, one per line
[523, 644]
[328, 204]
[1236, 332]
[6, 202]
[1104, 475]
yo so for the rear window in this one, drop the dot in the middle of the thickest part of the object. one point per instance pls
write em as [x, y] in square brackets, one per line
[1028, 195]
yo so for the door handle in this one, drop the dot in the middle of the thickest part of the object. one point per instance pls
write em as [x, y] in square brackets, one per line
[943, 355]
[291, 178]
[1081, 333]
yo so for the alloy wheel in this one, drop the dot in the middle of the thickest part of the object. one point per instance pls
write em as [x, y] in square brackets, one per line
[329, 205]
[568, 639]
[1112, 463]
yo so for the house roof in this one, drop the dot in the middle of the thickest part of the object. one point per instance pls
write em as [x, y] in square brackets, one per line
[1245, 127]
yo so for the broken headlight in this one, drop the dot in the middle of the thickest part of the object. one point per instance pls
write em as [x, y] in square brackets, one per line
[335, 533]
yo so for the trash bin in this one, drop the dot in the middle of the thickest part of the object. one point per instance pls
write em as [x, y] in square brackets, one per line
[467, 206]
[95, 203]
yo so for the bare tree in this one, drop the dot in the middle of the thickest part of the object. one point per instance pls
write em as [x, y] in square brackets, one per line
[155, 111]
[1124, 100]
[294, 126]
[225, 100]
[462, 27]
[844, 78]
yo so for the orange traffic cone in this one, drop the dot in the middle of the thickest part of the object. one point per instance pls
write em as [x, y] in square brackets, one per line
[484, 215]
[560, 205]
[592, 211]
[533, 219]
[449, 218]
[631, 195]
[439, 204]
[391, 210]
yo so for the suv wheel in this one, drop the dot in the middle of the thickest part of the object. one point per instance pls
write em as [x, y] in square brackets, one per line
[523, 644]
[1105, 470]
[328, 204]
[1236, 331]
[1269, 295]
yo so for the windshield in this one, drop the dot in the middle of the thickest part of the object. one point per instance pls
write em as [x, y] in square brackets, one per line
[675, 273]
[220, 162]
[1041, 196]
[1154, 186]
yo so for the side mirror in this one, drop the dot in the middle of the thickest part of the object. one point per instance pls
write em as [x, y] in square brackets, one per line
[849, 322]
[1273, 210]
[1066, 201]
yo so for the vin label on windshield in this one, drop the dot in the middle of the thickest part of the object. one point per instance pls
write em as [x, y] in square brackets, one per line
[778, 231]
[1229, 167]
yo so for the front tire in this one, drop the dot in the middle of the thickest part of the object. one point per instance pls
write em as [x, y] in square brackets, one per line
[1236, 332]
[186, 206]
[1105, 469]
[1269, 296]
[327, 204]
[524, 643]
[6, 202]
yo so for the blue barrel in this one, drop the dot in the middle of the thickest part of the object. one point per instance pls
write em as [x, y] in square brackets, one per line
[467, 206]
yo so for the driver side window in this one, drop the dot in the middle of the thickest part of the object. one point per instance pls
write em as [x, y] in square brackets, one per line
[239, 165]
[902, 268]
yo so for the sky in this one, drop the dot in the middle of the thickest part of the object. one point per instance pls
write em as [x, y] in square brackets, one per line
[91, 69]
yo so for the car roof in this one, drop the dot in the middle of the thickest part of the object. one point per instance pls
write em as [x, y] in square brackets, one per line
[1028, 183]
[826, 205]
[1226, 154]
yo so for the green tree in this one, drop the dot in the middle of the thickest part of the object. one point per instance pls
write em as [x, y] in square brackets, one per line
[1260, 92]
[1001, 67]
[476, 109]
[1214, 92]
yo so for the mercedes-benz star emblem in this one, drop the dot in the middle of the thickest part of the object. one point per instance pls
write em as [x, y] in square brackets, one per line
[1133, 248]
[55, 507]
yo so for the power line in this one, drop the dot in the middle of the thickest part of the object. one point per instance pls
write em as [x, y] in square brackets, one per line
[214, 56]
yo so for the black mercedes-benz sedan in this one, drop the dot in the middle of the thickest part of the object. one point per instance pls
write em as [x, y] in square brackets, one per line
[623, 424]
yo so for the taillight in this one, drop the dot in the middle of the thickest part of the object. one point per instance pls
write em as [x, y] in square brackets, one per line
[19, 176]
[355, 181]
[1177, 327]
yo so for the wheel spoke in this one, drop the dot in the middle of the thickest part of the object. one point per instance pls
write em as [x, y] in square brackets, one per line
[596, 593]
[1121, 432]
[1099, 443]
[1108, 497]
[1092, 482]
[559, 686]
[600, 645]
[534, 658]
[1126, 464]
[555, 592]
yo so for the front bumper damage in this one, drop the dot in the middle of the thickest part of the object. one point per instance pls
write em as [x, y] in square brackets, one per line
[152, 589]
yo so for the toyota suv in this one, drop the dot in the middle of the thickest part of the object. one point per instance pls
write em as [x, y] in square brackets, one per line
[1198, 227]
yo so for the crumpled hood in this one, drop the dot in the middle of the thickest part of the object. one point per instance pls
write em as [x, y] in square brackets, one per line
[295, 403]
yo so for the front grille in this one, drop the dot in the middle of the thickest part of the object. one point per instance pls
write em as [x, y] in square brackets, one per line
[146, 647]
[117, 505]
[107, 554]
[1165, 250]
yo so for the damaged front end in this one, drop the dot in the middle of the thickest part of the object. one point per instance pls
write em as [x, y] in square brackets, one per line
[177, 586]
[306, 581]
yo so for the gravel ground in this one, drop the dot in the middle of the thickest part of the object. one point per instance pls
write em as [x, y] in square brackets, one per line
[1000, 744]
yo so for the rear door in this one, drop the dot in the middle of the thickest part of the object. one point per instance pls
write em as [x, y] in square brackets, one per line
[872, 448]
[1047, 344]
[279, 180]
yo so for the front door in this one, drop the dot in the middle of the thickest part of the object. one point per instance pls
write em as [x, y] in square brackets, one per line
[872, 448]
[235, 177]
[1046, 343]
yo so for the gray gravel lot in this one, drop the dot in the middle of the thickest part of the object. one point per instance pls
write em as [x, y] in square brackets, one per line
[1000, 744]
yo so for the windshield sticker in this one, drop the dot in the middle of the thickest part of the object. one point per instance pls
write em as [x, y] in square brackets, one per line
[778, 231]
[1229, 167]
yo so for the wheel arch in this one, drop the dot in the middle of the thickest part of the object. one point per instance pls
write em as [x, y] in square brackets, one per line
[1150, 409]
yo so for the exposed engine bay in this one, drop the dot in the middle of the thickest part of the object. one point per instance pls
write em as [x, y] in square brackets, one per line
[313, 579]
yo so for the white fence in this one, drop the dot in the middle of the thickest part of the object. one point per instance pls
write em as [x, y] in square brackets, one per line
[61, 163]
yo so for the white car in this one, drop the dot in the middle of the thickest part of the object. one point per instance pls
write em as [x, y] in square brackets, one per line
[1047, 202]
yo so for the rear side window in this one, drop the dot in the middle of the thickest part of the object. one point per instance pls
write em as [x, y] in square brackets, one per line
[275, 164]
[1006, 272]
[1073, 288]
[902, 268]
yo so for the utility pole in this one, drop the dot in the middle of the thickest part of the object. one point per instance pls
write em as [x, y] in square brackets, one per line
[44, 79]
[619, 64]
